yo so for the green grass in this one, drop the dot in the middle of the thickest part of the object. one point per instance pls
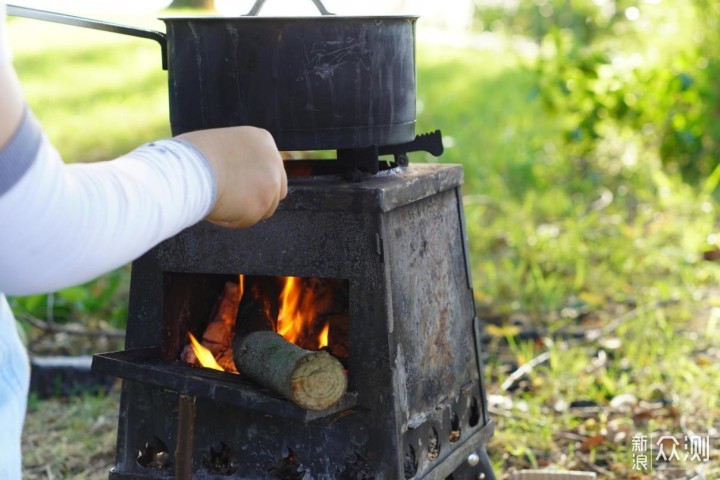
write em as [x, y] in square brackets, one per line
[657, 361]
[98, 95]
[484, 102]
[557, 244]
[70, 438]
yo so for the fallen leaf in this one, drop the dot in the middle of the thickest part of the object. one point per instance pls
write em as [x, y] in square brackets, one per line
[502, 332]
[592, 299]
[712, 255]
[704, 362]
[592, 442]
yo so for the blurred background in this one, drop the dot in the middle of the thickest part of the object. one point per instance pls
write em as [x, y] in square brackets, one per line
[589, 131]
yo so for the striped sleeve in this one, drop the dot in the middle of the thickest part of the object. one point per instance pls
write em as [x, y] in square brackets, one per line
[19, 154]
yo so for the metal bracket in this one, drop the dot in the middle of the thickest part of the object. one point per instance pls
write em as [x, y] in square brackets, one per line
[257, 6]
[366, 159]
[426, 142]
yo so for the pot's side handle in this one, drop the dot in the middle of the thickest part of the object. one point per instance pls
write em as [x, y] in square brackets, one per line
[66, 19]
[259, 4]
[319, 5]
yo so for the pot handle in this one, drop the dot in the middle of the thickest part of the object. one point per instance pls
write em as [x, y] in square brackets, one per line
[259, 4]
[66, 19]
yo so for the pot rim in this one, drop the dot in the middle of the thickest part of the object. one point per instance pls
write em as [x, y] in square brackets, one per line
[323, 18]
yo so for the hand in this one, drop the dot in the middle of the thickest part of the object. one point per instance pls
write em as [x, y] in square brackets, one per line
[251, 179]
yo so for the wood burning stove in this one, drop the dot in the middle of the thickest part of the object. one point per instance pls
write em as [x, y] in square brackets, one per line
[415, 400]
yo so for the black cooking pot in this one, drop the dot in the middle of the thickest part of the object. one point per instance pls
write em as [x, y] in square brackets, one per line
[324, 82]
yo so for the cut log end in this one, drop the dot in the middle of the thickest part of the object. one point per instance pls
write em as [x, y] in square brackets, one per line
[313, 380]
[318, 381]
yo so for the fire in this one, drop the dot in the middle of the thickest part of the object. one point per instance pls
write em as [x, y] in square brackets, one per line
[323, 339]
[298, 314]
[302, 312]
[204, 356]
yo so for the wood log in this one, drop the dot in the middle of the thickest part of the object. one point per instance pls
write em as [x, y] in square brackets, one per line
[251, 317]
[313, 380]
[220, 331]
[226, 308]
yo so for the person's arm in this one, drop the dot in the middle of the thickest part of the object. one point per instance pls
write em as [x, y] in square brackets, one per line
[11, 103]
[64, 224]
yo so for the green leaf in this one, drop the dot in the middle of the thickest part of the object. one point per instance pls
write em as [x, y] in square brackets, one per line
[74, 294]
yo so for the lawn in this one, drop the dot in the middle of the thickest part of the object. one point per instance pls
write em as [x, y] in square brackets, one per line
[596, 273]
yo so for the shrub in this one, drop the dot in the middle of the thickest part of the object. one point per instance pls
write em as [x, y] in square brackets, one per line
[632, 73]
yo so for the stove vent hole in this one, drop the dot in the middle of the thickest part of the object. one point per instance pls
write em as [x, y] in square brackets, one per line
[454, 428]
[220, 460]
[433, 445]
[289, 468]
[357, 468]
[154, 455]
[474, 412]
[411, 463]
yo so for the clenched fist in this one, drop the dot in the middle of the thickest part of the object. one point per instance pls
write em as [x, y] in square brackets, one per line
[251, 179]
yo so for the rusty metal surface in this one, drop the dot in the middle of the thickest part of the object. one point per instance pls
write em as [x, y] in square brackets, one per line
[185, 438]
[432, 304]
[398, 241]
[437, 375]
[383, 192]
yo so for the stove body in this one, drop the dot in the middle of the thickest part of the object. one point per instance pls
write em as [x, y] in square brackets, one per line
[415, 406]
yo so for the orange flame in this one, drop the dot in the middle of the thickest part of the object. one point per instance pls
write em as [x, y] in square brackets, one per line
[204, 356]
[298, 312]
[241, 287]
[323, 339]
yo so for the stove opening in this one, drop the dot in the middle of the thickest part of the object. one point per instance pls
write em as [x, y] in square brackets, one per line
[204, 313]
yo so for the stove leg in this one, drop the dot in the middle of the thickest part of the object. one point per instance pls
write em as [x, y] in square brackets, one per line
[476, 467]
[485, 465]
[185, 438]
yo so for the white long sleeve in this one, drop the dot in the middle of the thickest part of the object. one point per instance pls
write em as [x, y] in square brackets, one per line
[65, 224]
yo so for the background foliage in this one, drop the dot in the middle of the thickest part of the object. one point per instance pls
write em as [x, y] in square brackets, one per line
[635, 73]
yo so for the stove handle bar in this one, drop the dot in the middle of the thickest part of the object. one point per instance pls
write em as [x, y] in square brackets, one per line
[65, 19]
[366, 159]
[427, 142]
[257, 6]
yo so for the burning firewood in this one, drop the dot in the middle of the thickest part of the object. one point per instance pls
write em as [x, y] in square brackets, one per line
[313, 380]
[219, 332]
[251, 317]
